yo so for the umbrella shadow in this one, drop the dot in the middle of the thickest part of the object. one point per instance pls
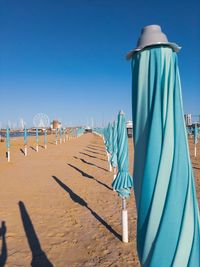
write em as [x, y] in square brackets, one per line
[33, 148]
[91, 147]
[41, 146]
[89, 176]
[83, 203]
[3, 255]
[92, 164]
[94, 152]
[22, 153]
[39, 258]
[92, 156]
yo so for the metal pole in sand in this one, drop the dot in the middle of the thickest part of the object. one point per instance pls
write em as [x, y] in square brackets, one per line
[195, 150]
[25, 150]
[124, 221]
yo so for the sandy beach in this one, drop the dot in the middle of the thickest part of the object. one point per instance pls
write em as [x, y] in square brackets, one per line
[58, 207]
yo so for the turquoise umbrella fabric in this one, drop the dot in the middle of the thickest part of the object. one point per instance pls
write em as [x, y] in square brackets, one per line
[195, 134]
[25, 136]
[37, 138]
[123, 181]
[45, 137]
[110, 142]
[114, 146]
[7, 137]
[168, 226]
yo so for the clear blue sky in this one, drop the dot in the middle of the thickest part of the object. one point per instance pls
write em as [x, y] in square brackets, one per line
[66, 58]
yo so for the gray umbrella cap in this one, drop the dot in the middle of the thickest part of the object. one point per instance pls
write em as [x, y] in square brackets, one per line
[152, 35]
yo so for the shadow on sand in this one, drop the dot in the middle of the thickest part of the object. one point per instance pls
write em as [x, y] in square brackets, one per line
[23, 154]
[33, 148]
[94, 148]
[92, 164]
[3, 255]
[39, 258]
[94, 152]
[92, 156]
[84, 174]
[83, 203]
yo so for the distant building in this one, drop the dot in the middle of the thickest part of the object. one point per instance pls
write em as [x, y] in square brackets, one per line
[188, 119]
[129, 126]
[55, 124]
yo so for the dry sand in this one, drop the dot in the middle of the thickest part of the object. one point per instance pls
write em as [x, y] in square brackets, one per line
[59, 209]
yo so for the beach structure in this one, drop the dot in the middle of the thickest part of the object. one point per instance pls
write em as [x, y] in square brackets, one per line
[168, 227]
[25, 142]
[55, 124]
[8, 143]
[37, 139]
[123, 182]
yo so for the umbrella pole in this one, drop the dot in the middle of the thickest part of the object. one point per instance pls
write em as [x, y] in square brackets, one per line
[124, 221]
[195, 151]
[115, 173]
[25, 150]
[37, 148]
[110, 166]
[8, 155]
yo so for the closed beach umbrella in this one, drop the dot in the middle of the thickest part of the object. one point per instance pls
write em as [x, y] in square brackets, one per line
[60, 135]
[110, 145]
[25, 141]
[195, 139]
[56, 136]
[114, 150]
[45, 138]
[37, 139]
[168, 226]
[8, 143]
[123, 181]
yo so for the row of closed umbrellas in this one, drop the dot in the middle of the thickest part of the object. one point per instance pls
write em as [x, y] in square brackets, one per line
[61, 134]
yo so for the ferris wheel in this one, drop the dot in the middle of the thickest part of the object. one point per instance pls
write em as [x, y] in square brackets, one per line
[41, 120]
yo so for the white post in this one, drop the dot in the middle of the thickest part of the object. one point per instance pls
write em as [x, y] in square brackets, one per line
[8, 155]
[56, 142]
[124, 221]
[60, 141]
[45, 146]
[25, 151]
[115, 173]
[110, 166]
[195, 150]
[36, 148]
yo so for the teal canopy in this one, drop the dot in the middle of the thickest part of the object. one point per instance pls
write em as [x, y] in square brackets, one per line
[25, 136]
[168, 227]
[114, 145]
[37, 138]
[123, 181]
[195, 134]
[110, 142]
[45, 137]
[8, 138]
